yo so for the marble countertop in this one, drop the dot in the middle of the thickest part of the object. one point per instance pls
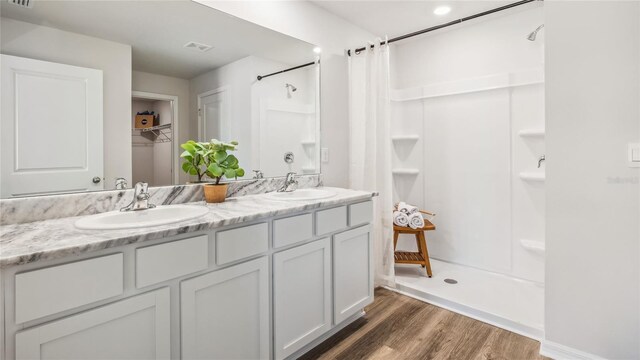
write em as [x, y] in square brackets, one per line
[58, 238]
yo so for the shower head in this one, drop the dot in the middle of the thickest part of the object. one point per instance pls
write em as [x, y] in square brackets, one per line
[534, 33]
[291, 87]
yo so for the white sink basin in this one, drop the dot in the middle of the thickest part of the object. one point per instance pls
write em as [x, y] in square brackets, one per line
[161, 215]
[302, 194]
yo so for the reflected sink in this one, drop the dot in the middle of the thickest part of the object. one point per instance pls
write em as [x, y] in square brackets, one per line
[302, 194]
[161, 215]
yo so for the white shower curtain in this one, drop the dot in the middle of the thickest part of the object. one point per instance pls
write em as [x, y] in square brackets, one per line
[370, 148]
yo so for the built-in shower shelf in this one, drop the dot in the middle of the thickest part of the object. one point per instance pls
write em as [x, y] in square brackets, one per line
[531, 133]
[537, 247]
[405, 138]
[535, 177]
[405, 171]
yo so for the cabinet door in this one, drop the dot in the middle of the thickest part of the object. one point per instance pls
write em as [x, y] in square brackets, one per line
[134, 328]
[353, 272]
[302, 295]
[225, 313]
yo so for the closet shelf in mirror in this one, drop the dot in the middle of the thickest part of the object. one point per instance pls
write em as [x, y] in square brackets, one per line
[531, 133]
[308, 142]
[399, 138]
[159, 133]
[405, 171]
[530, 176]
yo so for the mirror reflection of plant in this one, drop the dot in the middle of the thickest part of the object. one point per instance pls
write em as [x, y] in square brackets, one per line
[195, 155]
[220, 163]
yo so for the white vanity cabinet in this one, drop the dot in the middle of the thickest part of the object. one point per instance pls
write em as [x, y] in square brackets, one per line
[271, 288]
[134, 328]
[225, 313]
[301, 295]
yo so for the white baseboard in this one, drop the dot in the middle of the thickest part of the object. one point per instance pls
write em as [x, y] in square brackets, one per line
[562, 352]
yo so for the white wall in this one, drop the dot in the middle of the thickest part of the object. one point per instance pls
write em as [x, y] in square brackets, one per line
[114, 59]
[593, 198]
[468, 152]
[166, 85]
[307, 22]
[236, 78]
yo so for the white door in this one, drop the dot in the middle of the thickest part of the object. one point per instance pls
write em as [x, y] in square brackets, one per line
[213, 114]
[134, 328]
[51, 128]
[352, 272]
[225, 313]
[302, 296]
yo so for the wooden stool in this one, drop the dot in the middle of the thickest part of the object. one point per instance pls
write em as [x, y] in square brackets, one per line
[422, 256]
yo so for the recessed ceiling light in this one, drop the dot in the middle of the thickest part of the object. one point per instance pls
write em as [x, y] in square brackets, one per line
[317, 50]
[198, 46]
[442, 10]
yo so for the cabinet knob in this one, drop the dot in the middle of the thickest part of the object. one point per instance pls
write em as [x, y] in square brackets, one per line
[96, 179]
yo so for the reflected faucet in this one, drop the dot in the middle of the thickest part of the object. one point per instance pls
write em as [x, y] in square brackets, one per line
[140, 198]
[290, 183]
[540, 160]
[121, 183]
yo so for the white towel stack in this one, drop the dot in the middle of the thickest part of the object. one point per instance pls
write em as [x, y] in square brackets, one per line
[408, 216]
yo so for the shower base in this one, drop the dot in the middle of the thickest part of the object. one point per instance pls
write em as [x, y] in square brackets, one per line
[512, 304]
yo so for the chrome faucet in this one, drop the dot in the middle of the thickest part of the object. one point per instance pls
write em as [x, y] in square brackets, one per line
[290, 183]
[258, 174]
[540, 160]
[140, 198]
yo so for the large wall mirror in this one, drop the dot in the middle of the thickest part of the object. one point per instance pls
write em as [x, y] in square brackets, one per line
[99, 95]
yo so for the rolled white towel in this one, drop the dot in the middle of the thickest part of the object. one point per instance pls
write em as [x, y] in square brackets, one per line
[416, 221]
[400, 218]
[407, 208]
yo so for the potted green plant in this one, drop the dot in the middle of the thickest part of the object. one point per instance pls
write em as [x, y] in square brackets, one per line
[194, 158]
[219, 163]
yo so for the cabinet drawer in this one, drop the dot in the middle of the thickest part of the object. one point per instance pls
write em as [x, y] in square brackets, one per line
[167, 261]
[48, 291]
[292, 230]
[361, 213]
[236, 244]
[331, 220]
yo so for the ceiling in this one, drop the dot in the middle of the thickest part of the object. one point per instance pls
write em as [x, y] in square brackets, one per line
[399, 17]
[158, 31]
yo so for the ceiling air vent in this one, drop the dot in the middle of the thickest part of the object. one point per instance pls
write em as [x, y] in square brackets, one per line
[197, 46]
[22, 3]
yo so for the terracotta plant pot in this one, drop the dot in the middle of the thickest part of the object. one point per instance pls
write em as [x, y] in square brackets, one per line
[215, 193]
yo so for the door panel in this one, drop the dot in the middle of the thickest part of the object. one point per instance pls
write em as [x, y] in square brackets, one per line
[225, 313]
[302, 296]
[134, 328]
[213, 113]
[353, 272]
[51, 127]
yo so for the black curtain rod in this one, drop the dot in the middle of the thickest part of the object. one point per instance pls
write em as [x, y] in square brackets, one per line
[260, 77]
[454, 22]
